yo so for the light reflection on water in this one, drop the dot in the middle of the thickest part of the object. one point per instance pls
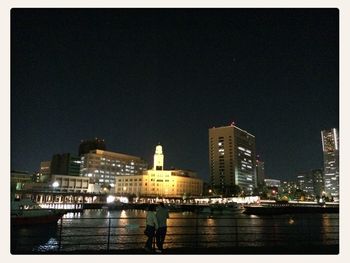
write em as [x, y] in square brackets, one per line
[89, 230]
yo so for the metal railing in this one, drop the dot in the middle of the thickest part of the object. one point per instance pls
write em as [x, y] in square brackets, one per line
[119, 233]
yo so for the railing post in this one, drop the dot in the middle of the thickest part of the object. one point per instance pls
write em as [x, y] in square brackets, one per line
[154, 241]
[60, 238]
[196, 230]
[236, 232]
[109, 233]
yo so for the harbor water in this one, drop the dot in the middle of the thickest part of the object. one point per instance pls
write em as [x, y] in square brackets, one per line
[102, 230]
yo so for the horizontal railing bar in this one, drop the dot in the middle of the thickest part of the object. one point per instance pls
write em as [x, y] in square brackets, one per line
[187, 218]
[189, 226]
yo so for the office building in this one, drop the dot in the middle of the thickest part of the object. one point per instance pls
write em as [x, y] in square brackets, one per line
[158, 182]
[330, 147]
[311, 183]
[288, 187]
[65, 164]
[102, 167]
[232, 160]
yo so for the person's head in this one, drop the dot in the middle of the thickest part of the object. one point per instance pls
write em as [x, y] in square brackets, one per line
[161, 204]
[152, 207]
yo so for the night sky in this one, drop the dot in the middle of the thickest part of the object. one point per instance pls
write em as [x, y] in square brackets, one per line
[136, 77]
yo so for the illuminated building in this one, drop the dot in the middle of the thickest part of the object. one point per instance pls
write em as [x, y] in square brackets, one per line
[232, 160]
[272, 183]
[65, 183]
[330, 147]
[45, 172]
[158, 182]
[19, 179]
[288, 187]
[102, 167]
[311, 183]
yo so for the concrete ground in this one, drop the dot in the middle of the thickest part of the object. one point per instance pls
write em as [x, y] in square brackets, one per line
[266, 250]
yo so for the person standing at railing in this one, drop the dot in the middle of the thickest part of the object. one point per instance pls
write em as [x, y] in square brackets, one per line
[151, 226]
[162, 216]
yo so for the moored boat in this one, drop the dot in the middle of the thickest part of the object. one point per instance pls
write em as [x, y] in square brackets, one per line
[273, 209]
[27, 212]
[228, 208]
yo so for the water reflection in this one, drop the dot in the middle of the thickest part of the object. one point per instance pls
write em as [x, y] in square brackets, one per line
[90, 230]
[28, 239]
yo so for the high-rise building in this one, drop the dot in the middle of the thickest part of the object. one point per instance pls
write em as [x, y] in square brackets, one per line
[311, 182]
[330, 147]
[260, 171]
[103, 166]
[232, 160]
[89, 145]
[318, 182]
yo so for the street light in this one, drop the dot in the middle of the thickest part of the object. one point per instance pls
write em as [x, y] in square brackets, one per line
[55, 184]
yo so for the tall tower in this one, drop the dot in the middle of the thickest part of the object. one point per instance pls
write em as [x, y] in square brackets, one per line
[158, 160]
[232, 160]
[330, 147]
[260, 171]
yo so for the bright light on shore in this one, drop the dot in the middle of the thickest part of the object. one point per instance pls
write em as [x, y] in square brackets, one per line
[110, 199]
[55, 184]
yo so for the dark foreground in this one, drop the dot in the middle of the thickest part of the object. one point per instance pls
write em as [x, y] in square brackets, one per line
[274, 250]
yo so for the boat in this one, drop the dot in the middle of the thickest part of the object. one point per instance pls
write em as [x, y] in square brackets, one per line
[287, 208]
[227, 208]
[27, 212]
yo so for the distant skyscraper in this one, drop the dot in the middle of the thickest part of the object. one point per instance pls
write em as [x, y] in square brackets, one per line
[260, 171]
[232, 159]
[330, 147]
[89, 145]
[311, 182]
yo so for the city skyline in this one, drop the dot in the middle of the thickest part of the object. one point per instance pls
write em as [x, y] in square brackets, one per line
[139, 77]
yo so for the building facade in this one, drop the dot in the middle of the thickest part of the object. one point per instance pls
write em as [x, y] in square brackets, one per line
[158, 182]
[45, 172]
[19, 179]
[65, 164]
[311, 183]
[232, 160]
[65, 183]
[330, 147]
[102, 167]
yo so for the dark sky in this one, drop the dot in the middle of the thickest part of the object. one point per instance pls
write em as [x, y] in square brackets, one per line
[136, 77]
